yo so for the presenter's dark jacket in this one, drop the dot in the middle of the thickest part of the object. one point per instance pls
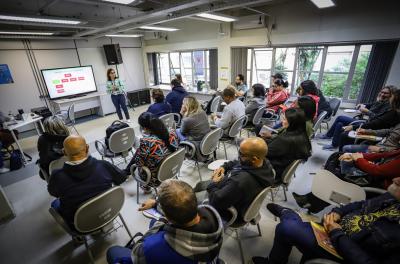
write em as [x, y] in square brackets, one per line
[240, 185]
[50, 148]
[175, 98]
[75, 184]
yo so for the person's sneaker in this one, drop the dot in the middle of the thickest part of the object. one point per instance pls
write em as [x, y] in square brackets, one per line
[328, 147]
[276, 209]
[259, 260]
[322, 136]
[4, 170]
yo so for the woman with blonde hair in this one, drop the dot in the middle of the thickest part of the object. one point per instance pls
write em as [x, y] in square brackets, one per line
[194, 124]
[50, 143]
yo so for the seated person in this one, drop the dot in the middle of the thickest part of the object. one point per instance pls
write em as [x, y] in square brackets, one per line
[307, 104]
[157, 143]
[175, 97]
[81, 178]
[3, 169]
[232, 111]
[194, 123]
[160, 107]
[377, 111]
[361, 232]
[391, 141]
[238, 182]
[290, 144]
[190, 234]
[241, 87]
[323, 104]
[255, 102]
[277, 94]
[50, 143]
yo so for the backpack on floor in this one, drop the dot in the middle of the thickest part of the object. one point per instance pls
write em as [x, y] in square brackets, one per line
[15, 160]
[333, 164]
[115, 126]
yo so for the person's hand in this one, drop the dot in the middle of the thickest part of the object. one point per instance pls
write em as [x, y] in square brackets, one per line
[347, 128]
[346, 157]
[183, 110]
[361, 131]
[356, 156]
[374, 149]
[336, 216]
[150, 203]
[218, 175]
[266, 134]
[239, 93]
[330, 223]
[363, 110]
[114, 88]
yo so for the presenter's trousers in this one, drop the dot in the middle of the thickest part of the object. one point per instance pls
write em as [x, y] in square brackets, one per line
[119, 102]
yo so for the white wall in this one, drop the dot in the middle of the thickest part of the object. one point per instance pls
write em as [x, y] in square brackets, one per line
[297, 22]
[23, 93]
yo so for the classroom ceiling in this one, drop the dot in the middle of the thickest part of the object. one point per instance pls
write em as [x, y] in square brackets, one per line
[101, 17]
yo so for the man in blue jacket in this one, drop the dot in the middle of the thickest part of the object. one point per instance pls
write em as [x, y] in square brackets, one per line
[189, 234]
[366, 232]
[175, 97]
[160, 107]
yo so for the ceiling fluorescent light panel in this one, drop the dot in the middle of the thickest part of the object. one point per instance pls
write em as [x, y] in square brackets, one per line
[26, 33]
[158, 28]
[125, 36]
[40, 20]
[216, 17]
[124, 2]
[323, 3]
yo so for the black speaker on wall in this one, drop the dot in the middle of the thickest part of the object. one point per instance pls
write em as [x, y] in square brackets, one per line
[113, 54]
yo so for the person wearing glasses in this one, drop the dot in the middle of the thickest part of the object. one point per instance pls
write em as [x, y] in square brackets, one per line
[116, 88]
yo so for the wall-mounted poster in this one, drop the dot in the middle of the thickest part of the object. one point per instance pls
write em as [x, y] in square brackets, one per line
[5, 74]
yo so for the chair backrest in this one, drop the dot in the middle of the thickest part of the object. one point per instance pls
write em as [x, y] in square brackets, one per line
[254, 209]
[57, 164]
[99, 210]
[237, 126]
[319, 120]
[215, 103]
[329, 188]
[334, 104]
[121, 141]
[171, 165]
[170, 120]
[71, 113]
[210, 141]
[258, 115]
[321, 261]
[288, 173]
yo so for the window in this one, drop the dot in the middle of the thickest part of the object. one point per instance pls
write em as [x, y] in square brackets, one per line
[192, 65]
[338, 70]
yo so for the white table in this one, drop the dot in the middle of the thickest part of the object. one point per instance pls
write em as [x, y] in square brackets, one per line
[84, 102]
[14, 125]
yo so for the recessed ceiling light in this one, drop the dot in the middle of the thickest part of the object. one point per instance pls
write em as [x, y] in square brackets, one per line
[125, 36]
[216, 17]
[48, 20]
[124, 2]
[26, 33]
[323, 3]
[159, 28]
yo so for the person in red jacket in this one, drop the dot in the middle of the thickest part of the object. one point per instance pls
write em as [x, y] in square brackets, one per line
[380, 167]
[277, 94]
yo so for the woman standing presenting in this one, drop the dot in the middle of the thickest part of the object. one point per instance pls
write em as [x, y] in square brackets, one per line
[115, 87]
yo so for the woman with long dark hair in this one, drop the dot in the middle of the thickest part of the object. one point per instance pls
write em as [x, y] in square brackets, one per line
[116, 87]
[290, 144]
[157, 143]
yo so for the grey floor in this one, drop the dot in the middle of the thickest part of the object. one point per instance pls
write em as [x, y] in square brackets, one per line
[34, 237]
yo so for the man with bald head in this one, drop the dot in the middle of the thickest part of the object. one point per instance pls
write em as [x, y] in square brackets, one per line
[81, 178]
[238, 182]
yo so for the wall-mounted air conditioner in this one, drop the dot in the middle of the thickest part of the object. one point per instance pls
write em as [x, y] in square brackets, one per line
[250, 22]
[152, 35]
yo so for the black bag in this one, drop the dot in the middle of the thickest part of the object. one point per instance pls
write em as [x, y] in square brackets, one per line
[16, 162]
[115, 126]
[333, 164]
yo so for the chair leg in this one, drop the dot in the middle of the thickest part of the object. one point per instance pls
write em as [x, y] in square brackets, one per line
[137, 192]
[273, 200]
[126, 227]
[240, 246]
[226, 155]
[284, 193]
[88, 250]
[198, 169]
[259, 229]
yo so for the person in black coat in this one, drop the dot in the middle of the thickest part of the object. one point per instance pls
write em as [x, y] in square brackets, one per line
[290, 144]
[50, 143]
[81, 178]
[175, 97]
[160, 106]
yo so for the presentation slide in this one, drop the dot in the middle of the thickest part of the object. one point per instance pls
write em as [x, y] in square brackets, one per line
[66, 82]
